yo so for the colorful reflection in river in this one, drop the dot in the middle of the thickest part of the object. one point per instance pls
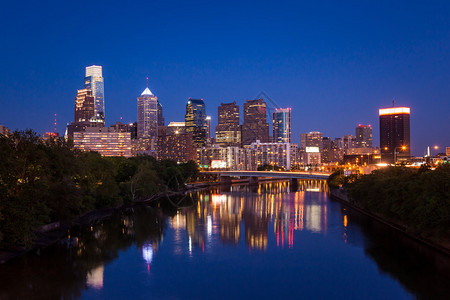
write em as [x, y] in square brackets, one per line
[250, 211]
[242, 236]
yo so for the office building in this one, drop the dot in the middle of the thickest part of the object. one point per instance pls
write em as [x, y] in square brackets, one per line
[275, 154]
[282, 125]
[255, 126]
[228, 132]
[349, 142]
[104, 140]
[147, 123]
[311, 139]
[160, 115]
[208, 128]
[195, 120]
[395, 134]
[93, 81]
[230, 158]
[363, 136]
[175, 143]
[84, 106]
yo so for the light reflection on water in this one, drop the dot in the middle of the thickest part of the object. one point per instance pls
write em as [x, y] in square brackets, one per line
[240, 235]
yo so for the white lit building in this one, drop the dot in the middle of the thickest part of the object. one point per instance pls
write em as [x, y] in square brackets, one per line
[276, 154]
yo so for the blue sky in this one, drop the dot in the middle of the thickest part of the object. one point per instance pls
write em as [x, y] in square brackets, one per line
[335, 63]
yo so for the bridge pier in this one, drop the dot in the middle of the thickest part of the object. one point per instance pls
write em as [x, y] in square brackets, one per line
[293, 185]
[225, 180]
[253, 180]
[225, 184]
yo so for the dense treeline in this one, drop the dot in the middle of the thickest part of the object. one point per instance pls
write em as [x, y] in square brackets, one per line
[419, 199]
[43, 182]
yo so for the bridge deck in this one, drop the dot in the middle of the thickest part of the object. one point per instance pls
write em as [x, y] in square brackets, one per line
[275, 174]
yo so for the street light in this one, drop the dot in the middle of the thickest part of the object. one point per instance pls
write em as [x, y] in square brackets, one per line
[395, 152]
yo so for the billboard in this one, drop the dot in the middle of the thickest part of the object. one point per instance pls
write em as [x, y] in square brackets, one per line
[218, 164]
[312, 150]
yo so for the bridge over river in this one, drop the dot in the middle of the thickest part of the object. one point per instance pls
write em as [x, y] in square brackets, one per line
[225, 176]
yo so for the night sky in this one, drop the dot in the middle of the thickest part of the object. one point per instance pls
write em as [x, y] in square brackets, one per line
[333, 62]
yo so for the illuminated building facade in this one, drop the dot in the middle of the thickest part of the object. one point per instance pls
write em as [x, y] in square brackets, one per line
[363, 136]
[348, 142]
[255, 125]
[48, 136]
[233, 158]
[93, 81]
[147, 123]
[5, 130]
[175, 143]
[330, 151]
[395, 134]
[282, 125]
[195, 120]
[275, 154]
[208, 131]
[228, 132]
[311, 146]
[104, 140]
[84, 106]
[311, 139]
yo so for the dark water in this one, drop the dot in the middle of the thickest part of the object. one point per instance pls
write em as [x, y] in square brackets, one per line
[260, 243]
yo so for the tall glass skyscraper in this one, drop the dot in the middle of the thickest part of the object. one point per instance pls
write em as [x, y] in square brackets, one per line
[93, 81]
[147, 124]
[282, 125]
[195, 120]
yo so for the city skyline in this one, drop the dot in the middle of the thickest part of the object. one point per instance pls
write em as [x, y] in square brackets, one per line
[334, 74]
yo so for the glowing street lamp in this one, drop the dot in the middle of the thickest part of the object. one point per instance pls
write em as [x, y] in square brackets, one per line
[403, 148]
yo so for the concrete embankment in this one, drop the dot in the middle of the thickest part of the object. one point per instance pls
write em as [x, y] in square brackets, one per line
[341, 196]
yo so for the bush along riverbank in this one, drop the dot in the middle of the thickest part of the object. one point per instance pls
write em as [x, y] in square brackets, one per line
[43, 182]
[416, 200]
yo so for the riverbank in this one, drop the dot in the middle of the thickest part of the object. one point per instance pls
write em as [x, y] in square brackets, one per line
[340, 195]
[51, 233]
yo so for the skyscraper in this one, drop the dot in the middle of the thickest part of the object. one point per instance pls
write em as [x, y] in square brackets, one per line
[195, 120]
[282, 125]
[363, 136]
[228, 132]
[160, 115]
[174, 143]
[208, 127]
[147, 124]
[311, 139]
[255, 125]
[311, 146]
[84, 106]
[395, 134]
[93, 81]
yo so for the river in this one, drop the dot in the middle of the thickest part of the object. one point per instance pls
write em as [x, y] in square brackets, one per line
[261, 242]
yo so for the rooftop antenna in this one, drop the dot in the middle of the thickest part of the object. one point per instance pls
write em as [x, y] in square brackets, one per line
[55, 123]
[393, 103]
[147, 81]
